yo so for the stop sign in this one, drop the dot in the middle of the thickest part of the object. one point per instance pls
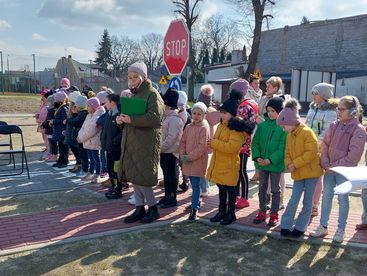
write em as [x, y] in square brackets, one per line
[176, 47]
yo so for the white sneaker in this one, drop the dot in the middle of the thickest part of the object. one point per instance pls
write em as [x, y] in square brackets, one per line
[96, 179]
[320, 232]
[339, 235]
[88, 177]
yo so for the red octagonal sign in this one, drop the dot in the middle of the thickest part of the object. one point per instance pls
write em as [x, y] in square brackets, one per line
[176, 47]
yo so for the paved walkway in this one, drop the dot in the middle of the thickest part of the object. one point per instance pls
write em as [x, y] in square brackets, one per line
[26, 231]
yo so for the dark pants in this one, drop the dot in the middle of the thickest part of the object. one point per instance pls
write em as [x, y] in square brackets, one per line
[63, 153]
[75, 151]
[223, 192]
[243, 177]
[53, 146]
[83, 157]
[168, 164]
[112, 156]
[275, 190]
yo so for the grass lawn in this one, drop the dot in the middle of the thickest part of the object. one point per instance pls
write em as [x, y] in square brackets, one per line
[12, 103]
[187, 249]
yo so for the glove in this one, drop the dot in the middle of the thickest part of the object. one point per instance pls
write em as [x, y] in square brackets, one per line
[185, 158]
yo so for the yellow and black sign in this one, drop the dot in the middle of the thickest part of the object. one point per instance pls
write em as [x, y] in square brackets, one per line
[258, 74]
[163, 80]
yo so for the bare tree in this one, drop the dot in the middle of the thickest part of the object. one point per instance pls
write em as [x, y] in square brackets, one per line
[151, 50]
[258, 9]
[221, 33]
[123, 52]
[188, 10]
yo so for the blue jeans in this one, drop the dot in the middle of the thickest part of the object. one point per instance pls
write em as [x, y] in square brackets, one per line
[308, 187]
[204, 184]
[330, 181]
[364, 202]
[103, 161]
[195, 184]
[94, 161]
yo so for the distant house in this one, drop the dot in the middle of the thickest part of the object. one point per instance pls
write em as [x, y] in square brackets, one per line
[81, 74]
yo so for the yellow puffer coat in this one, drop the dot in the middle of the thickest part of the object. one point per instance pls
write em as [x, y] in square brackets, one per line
[302, 150]
[225, 162]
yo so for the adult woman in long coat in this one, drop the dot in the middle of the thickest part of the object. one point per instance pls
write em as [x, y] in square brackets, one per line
[140, 145]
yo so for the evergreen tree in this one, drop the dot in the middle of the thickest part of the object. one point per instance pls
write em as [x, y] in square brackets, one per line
[206, 59]
[215, 56]
[222, 55]
[104, 51]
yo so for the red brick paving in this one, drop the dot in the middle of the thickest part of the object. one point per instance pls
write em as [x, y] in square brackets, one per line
[57, 225]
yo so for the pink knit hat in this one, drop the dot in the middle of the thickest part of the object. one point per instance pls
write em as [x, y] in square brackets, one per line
[93, 103]
[65, 82]
[60, 97]
[240, 85]
[289, 116]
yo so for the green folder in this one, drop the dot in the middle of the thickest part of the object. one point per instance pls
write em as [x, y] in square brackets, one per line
[133, 106]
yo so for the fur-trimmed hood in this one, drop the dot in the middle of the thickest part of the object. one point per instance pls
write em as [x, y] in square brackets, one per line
[241, 125]
[329, 105]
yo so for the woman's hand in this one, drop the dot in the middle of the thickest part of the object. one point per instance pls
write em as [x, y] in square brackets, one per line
[123, 119]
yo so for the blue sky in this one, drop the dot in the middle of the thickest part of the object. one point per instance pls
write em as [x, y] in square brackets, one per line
[51, 28]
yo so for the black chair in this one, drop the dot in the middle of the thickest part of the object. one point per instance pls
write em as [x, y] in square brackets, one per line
[13, 130]
[7, 144]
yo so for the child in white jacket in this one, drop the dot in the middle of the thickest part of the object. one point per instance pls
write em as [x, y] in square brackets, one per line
[172, 129]
[89, 135]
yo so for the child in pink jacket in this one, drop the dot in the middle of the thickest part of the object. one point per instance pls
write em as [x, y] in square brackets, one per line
[40, 118]
[194, 153]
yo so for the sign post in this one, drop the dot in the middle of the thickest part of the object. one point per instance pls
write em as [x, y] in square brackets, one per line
[176, 47]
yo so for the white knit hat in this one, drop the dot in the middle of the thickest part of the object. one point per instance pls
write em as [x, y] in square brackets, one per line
[201, 106]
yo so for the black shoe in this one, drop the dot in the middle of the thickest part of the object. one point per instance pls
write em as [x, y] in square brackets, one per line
[188, 208]
[285, 232]
[138, 214]
[151, 215]
[218, 217]
[55, 165]
[61, 166]
[229, 218]
[162, 200]
[114, 195]
[192, 216]
[183, 187]
[171, 202]
[297, 234]
[76, 169]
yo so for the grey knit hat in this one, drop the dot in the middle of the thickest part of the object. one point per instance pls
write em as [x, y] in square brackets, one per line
[140, 68]
[201, 106]
[325, 90]
[81, 101]
[102, 96]
[51, 99]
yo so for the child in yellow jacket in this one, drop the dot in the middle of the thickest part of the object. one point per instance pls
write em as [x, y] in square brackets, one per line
[225, 162]
[302, 160]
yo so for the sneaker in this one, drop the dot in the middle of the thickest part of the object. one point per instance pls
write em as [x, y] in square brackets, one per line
[88, 177]
[315, 212]
[171, 202]
[260, 217]
[124, 186]
[55, 165]
[52, 158]
[189, 207]
[339, 235]
[114, 195]
[242, 203]
[183, 187]
[104, 174]
[62, 166]
[81, 174]
[204, 194]
[76, 169]
[96, 179]
[320, 232]
[274, 219]
[192, 216]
